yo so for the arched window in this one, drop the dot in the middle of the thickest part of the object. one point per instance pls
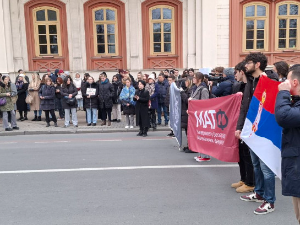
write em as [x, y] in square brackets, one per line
[287, 25]
[46, 22]
[255, 32]
[162, 30]
[105, 31]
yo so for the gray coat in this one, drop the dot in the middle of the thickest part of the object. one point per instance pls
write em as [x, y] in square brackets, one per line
[49, 93]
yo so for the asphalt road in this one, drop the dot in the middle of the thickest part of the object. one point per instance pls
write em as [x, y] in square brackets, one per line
[118, 178]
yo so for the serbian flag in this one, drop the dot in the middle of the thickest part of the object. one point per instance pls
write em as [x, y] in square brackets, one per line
[211, 127]
[261, 132]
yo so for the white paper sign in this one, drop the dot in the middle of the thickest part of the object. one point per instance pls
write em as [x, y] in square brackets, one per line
[91, 91]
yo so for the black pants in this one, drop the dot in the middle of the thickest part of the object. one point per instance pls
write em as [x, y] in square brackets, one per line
[106, 113]
[52, 115]
[152, 117]
[245, 164]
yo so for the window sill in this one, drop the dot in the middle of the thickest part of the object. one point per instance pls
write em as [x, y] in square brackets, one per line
[107, 57]
[162, 56]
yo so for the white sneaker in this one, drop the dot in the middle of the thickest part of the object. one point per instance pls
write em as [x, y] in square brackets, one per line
[131, 127]
[126, 127]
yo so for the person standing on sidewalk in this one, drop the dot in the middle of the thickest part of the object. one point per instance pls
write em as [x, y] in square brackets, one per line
[162, 92]
[69, 102]
[152, 88]
[33, 89]
[90, 94]
[6, 92]
[246, 183]
[22, 87]
[126, 98]
[264, 190]
[287, 116]
[47, 96]
[141, 108]
[116, 109]
[77, 82]
[106, 93]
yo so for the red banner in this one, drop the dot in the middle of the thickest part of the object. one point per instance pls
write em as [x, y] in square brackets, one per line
[211, 127]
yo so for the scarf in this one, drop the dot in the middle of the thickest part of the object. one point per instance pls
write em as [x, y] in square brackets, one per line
[19, 84]
[150, 88]
[127, 95]
[104, 82]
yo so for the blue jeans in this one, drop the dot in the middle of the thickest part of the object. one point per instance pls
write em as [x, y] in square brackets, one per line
[89, 115]
[264, 179]
[166, 114]
[80, 103]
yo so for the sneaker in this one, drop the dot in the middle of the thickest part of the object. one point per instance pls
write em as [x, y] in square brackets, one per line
[89, 124]
[237, 185]
[94, 124]
[265, 208]
[244, 189]
[65, 126]
[200, 159]
[75, 125]
[126, 127]
[171, 134]
[252, 198]
[131, 127]
[197, 157]
[8, 129]
[15, 128]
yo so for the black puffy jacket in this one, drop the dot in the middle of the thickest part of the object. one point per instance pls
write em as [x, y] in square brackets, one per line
[92, 102]
[106, 93]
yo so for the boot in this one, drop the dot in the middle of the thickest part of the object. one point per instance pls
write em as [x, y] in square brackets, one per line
[237, 185]
[21, 116]
[140, 133]
[108, 123]
[48, 125]
[145, 132]
[103, 123]
[244, 189]
[35, 118]
[39, 118]
[25, 116]
[55, 124]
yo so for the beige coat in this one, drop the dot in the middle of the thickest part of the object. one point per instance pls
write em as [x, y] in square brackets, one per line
[33, 90]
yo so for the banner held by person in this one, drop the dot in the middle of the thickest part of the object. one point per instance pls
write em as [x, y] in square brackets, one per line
[261, 132]
[211, 127]
[175, 112]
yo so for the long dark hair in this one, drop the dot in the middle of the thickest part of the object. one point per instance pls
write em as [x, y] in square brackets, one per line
[66, 80]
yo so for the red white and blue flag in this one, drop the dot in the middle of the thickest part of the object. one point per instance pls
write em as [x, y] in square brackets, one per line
[261, 132]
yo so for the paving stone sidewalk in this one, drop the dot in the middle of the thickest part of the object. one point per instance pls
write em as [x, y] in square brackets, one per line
[29, 127]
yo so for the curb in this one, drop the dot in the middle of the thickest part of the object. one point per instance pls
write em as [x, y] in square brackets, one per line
[77, 131]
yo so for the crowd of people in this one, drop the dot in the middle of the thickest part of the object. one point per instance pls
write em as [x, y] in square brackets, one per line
[147, 97]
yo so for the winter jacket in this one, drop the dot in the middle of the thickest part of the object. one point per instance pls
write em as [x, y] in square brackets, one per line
[184, 106]
[77, 82]
[287, 116]
[49, 93]
[200, 92]
[9, 106]
[92, 102]
[33, 91]
[65, 91]
[224, 88]
[126, 97]
[21, 104]
[141, 108]
[117, 91]
[238, 87]
[162, 91]
[153, 97]
[106, 93]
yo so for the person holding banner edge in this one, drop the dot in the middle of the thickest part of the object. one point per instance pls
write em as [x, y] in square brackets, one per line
[200, 92]
[287, 116]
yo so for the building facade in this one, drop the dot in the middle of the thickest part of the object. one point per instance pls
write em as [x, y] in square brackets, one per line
[144, 35]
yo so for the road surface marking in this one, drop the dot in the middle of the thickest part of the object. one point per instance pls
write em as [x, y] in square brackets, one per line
[61, 141]
[9, 142]
[118, 168]
[41, 142]
[108, 140]
[149, 139]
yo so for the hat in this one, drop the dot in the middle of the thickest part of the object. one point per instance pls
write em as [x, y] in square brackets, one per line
[60, 71]
[21, 75]
[67, 73]
[143, 82]
[48, 70]
[229, 72]
[151, 77]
